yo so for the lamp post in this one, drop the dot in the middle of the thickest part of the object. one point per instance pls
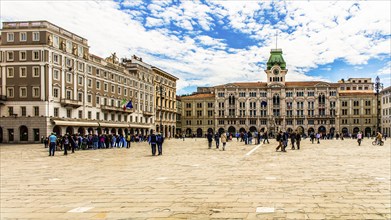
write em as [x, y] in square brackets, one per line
[378, 87]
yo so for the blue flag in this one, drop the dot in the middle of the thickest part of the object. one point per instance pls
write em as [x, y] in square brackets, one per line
[129, 105]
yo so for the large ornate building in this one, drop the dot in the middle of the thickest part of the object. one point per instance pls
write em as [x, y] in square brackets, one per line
[49, 82]
[386, 111]
[346, 107]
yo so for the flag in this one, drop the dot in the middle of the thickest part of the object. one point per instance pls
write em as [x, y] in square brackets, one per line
[123, 102]
[129, 105]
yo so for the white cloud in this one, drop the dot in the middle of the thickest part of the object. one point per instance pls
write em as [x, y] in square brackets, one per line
[320, 34]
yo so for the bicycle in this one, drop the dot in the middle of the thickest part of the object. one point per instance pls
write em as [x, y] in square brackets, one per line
[376, 142]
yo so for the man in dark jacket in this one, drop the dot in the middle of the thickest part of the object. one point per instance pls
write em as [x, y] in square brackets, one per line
[159, 142]
[152, 142]
[209, 136]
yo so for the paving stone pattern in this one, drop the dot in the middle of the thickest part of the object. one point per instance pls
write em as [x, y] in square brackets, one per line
[332, 180]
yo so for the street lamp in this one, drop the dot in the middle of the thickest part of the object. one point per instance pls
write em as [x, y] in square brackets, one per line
[378, 87]
[161, 88]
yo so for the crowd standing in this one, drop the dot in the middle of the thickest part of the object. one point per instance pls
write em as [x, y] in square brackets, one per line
[155, 140]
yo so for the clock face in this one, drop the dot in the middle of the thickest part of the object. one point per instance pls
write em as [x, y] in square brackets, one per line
[276, 71]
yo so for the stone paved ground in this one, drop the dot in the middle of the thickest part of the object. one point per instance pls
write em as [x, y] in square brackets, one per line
[331, 180]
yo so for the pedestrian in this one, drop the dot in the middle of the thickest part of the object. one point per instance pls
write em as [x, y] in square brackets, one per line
[52, 144]
[265, 137]
[128, 138]
[279, 139]
[293, 138]
[217, 140]
[318, 137]
[46, 142]
[223, 139]
[152, 142]
[66, 144]
[159, 142]
[209, 136]
[298, 139]
[359, 138]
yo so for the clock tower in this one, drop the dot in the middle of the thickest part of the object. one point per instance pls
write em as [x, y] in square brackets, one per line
[276, 68]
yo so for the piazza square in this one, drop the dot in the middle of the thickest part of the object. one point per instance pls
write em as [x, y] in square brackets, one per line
[336, 179]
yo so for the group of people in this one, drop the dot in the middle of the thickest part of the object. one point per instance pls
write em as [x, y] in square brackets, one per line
[217, 137]
[74, 142]
[283, 139]
[156, 140]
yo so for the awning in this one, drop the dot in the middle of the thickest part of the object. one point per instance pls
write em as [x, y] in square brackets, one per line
[76, 123]
[114, 125]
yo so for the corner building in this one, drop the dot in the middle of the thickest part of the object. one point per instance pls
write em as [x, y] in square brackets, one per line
[275, 105]
[50, 82]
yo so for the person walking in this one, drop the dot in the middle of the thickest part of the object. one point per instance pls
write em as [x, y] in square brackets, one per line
[265, 137]
[52, 144]
[318, 137]
[359, 138]
[293, 138]
[152, 142]
[66, 144]
[209, 136]
[223, 140]
[298, 139]
[217, 140]
[279, 139]
[159, 142]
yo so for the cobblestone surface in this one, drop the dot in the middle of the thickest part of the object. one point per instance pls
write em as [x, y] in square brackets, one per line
[332, 180]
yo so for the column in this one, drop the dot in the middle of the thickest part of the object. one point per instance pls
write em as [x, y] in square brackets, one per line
[42, 76]
[3, 81]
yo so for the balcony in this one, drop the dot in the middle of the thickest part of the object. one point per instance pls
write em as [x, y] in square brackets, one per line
[3, 99]
[115, 109]
[147, 113]
[71, 103]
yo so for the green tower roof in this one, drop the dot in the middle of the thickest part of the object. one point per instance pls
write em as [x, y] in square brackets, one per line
[276, 58]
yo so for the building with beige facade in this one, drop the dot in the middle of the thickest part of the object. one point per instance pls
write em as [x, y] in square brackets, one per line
[50, 82]
[386, 111]
[275, 105]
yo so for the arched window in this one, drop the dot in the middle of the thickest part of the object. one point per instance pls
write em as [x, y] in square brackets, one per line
[276, 99]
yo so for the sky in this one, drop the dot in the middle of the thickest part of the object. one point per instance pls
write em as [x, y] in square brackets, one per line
[208, 43]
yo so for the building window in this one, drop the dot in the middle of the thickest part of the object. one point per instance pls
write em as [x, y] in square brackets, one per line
[35, 36]
[11, 111]
[69, 46]
[56, 41]
[22, 72]
[97, 116]
[97, 100]
[35, 71]
[56, 74]
[112, 89]
[89, 83]
[36, 111]
[35, 92]
[80, 80]
[69, 113]
[55, 112]
[69, 77]
[10, 37]
[23, 36]
[199, 105]
[10, 92]
[22, 55]
[97, 85]
[23, 92]
[105, 87]
[23, 110]
[80, 97]
[89, 97]
[55, 92]
[80, 114]
[55, 59]
[89, 115]
[35, 55]
[68, 94]
[10, 56]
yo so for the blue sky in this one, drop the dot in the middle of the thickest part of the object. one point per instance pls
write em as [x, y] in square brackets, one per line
[206, 43]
